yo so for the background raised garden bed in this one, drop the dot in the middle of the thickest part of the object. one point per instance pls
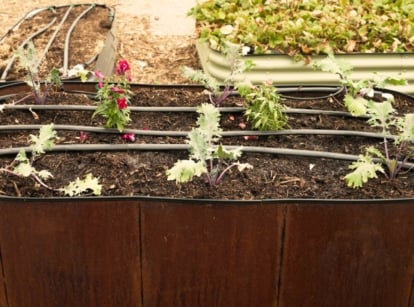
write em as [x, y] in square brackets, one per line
[64, 36]
[373, 36]
[284, 70]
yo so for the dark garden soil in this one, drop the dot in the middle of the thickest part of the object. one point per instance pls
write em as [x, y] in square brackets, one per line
[143, 173]
[84, 44]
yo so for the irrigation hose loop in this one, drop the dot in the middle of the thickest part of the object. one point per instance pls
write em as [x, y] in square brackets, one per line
[336, 93]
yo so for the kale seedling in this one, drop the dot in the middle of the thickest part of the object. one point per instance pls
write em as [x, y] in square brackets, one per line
[205, 156]
[217, 95]
[358, 93]
[383, 115]
[264, 108]
[29, 60]
[22, 166]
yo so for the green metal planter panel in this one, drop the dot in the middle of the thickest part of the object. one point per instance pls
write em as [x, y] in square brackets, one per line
[283, 70]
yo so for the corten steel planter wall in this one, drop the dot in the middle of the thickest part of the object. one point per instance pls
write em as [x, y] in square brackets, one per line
[155, 252]
[283, 70]
[143, 251]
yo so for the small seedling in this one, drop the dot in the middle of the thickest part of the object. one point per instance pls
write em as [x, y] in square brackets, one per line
[264, 108]
[237, 66]
[383, 115]
[205, 156]
[23, 166]
[360, 92]
[29, 60]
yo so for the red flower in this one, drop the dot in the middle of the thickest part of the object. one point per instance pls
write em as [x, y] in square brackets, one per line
[122, 67]
[116, 89]
[122, 104]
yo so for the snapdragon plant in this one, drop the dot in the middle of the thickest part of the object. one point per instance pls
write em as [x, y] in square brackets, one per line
[23, 166]
[357, 93]
[206, 157]
[394, 155]
[114, 94]
[30, 61]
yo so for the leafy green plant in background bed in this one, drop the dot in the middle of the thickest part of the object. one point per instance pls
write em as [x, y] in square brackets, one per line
[301, 28]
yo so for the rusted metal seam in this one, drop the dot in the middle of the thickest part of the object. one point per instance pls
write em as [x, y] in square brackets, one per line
[411, 294]
[3, 277]
[140, 254]
[281, 257]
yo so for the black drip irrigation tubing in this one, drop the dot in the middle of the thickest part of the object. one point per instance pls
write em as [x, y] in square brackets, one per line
[185, 133]
[27, 16]
[53, 37]
[67, 40]
[175, 109]
[301, 90]
[175, 147]
[89, 88]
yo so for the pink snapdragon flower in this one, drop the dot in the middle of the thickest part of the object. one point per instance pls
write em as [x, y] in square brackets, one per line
[122, 104]
[100, 76]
